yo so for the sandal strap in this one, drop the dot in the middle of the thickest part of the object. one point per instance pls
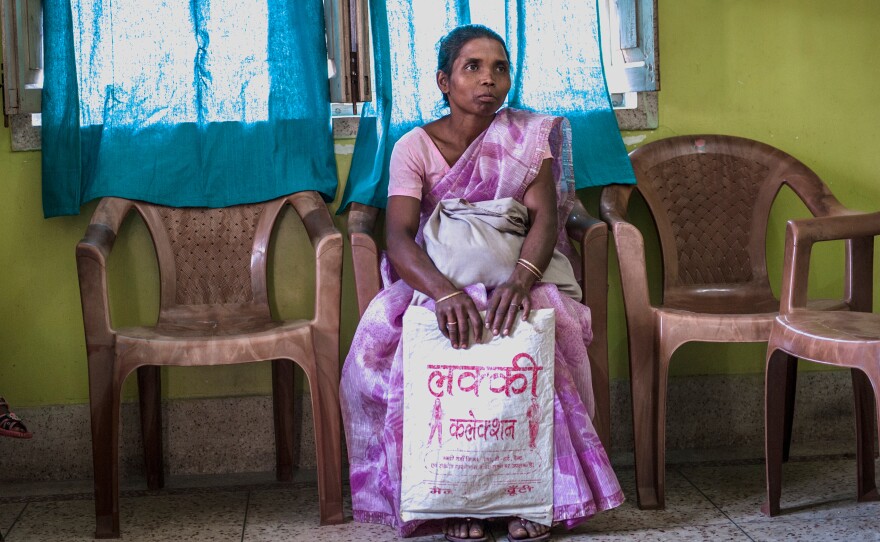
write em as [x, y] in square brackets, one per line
[11, 420]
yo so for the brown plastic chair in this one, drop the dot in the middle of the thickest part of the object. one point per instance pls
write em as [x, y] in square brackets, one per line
[587, 233]
[710, 198]
[846, 339]
[214, 310]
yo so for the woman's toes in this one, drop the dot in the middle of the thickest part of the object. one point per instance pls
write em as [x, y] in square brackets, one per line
[531, 528]
[516, 529]
[519, 528]
[464, 528]
[476, 529]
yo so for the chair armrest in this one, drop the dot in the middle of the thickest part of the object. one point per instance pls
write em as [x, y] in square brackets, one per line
[91, 264]
[364, 252]
[821, 202]
[859, 229]
[327, 243]
[814, 193]
[630, 246]
[591, 236]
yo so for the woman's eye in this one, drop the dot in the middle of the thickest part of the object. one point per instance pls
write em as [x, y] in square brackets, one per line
[470, 67]
[501, 69]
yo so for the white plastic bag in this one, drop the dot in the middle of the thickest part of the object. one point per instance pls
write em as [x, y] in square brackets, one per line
[478, 422]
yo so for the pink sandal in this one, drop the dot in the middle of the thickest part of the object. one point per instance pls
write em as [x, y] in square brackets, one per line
[10, 424]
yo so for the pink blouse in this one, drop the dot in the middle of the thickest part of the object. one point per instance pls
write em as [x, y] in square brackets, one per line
[417, 164]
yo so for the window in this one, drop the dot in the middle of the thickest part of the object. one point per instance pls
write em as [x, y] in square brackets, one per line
[348, 54]
[22, 33]
[22, 55]
[631, 60]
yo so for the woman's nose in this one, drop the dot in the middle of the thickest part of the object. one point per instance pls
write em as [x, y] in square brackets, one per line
[488, 78]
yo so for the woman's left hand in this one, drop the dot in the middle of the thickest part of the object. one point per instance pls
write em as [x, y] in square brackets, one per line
[504, 304]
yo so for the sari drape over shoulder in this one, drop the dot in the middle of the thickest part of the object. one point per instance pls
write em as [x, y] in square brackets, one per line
[502, 162]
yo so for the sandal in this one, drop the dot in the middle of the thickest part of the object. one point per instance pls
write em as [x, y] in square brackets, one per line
[10, 424]
[484, 538]
[539, 538]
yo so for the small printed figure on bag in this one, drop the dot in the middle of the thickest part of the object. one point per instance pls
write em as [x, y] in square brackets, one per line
[437, 423]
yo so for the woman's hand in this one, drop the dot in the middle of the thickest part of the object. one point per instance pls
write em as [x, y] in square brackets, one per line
[514, 295]
[504, 304]
[458, 318]
[457, 315]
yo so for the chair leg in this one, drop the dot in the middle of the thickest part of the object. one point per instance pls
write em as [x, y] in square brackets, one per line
[663, 359]
[150, 396]
[776, 386]
[643, 389]
[104, 405]
[328, 439]
[283, 386]
[865, 418]
[790, 391]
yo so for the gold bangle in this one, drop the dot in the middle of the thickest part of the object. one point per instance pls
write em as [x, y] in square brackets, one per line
[531, 267]
[445, 297]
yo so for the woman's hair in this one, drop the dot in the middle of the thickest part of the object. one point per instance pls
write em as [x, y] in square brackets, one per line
[449, 46]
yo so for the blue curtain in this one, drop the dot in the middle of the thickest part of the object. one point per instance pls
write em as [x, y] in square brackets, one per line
[198, 103]
[557, 69]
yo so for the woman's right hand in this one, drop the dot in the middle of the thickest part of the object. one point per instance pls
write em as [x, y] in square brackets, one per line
[458, 318]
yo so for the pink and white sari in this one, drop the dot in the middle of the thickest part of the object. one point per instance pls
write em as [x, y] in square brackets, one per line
[500, 163]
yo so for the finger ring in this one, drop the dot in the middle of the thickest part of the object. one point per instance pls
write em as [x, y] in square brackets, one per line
[451, 324]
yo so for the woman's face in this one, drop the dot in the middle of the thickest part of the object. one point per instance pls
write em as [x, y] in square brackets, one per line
[479, 80]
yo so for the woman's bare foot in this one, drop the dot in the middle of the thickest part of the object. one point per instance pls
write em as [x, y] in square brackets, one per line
[521, 529]
[464, 529]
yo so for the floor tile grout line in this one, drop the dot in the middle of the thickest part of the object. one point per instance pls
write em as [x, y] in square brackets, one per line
[725, 514]
[15, 522]
[247, 507]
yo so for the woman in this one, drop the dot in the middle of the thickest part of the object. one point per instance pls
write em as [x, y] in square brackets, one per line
[477, 153]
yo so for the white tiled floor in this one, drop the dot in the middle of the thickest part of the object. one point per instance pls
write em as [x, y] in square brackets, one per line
[715, 503]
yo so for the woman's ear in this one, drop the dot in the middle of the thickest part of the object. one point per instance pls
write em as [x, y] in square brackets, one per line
[442, 82]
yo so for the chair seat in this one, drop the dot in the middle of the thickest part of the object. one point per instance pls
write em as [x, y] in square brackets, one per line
[833, 327]
[737, 307]
[685, 325]
[210, 331]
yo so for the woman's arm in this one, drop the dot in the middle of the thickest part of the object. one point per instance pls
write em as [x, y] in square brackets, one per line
[507, 299]
[457, 315]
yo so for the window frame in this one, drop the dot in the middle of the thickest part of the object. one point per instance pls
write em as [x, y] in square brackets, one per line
[347, 27]
[22, 32]
[634, 55]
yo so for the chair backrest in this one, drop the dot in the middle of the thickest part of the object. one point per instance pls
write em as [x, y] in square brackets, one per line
[710, 197]
[212, 262]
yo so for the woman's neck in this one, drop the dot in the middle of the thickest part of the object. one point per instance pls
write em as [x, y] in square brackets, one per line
[466, 128]
[454, 133]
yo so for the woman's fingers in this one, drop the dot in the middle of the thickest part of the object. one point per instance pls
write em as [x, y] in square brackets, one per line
[492, 309]
[463, 327]
[457, 319]
[505, 307]
[526, 308]
[476, 324]
[461, 322]
[509, 319]
[441, 322]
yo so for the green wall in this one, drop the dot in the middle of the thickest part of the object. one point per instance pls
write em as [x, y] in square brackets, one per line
[798, 74]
